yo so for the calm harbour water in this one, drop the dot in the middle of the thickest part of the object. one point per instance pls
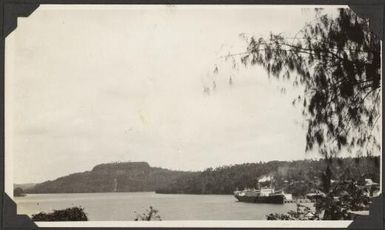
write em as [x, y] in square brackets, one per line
[123, 206]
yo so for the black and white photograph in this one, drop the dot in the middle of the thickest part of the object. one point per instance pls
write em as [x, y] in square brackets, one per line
[193, 115]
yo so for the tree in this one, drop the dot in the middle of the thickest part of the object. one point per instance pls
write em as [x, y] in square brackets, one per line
[337, 61]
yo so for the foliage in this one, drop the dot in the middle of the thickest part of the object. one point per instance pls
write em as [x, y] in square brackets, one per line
[150, 215]
[69, 214]
[337, 61]
[120, 177]
[302, 213]
[18, 192]
[344, 197]
[296, 177]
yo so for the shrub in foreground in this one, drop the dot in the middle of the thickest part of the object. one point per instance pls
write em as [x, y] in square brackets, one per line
[150, 215]
[69, 214]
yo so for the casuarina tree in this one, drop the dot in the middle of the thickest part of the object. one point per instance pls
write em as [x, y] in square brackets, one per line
[337, 62]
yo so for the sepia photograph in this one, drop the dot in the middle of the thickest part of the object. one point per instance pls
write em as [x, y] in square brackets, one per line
[193, 115]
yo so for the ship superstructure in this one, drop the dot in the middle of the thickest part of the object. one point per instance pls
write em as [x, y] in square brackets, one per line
[265, 194]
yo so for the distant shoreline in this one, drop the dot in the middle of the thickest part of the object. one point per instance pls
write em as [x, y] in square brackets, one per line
[294, 177]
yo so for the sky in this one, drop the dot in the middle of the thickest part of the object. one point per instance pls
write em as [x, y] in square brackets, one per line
[95, 84]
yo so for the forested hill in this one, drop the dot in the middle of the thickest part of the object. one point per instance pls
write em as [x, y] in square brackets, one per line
[111, 177]
[297, 177]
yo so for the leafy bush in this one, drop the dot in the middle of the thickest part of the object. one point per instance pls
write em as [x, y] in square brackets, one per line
[302, 213]
[342, 198]
[69, 214]
[151, 214]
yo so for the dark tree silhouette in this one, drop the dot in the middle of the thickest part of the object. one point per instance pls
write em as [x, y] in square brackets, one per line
[337, 61]
[68, 214]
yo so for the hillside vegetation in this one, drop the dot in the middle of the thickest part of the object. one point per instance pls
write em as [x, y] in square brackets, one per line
[296, 177]
[111, 177]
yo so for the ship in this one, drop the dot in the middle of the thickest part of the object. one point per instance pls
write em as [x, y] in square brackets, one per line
[265, 194]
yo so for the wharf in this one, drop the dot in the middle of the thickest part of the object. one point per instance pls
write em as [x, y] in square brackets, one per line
[298, 201]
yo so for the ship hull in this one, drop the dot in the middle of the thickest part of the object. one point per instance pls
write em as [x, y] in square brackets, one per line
[261, 199]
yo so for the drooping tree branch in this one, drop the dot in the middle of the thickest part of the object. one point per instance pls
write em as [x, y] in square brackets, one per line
[337, 60]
